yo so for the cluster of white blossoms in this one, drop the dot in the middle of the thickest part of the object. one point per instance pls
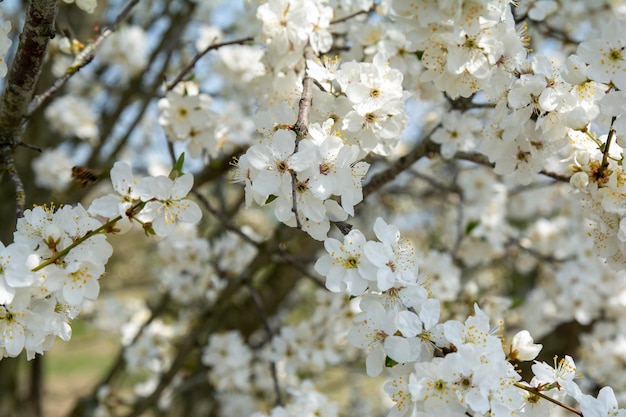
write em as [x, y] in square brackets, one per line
[321, 167]
[450, 367]
[239, 373]
[289, 25]
[42, 291]
[537, 108]
[317, 119]
[598, 72]
[185, 116]
[158, 203]
[368, 99]
[58, 255]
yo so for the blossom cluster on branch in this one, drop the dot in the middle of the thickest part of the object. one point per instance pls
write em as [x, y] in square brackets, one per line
[455, 177]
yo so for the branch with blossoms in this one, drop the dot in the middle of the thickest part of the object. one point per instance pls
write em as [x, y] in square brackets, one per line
[402, 298]
[20, 85]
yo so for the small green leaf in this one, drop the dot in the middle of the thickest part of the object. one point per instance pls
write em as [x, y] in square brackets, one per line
[390, 363]
[419, 54]
[270, 198]
[177, 169]
[471, 226]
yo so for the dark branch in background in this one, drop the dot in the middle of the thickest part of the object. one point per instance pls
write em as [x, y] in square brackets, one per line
[481, 159]
[298, 265]
[207, 321]
[424, 148]
[82, 59]
[258, 303]
[166, 46]
[87, 404]
[224, 220]
[199, 55]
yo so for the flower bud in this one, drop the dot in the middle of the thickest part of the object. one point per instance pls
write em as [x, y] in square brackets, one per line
[523, 347]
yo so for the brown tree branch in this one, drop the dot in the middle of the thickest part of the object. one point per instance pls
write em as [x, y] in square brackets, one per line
[25, 70]
[422, 149]
[82, 59]
[301, 126]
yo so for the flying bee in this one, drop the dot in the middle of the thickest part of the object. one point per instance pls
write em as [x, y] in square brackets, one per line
[84, 176]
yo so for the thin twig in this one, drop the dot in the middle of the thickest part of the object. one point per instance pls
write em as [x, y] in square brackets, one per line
[353, 15]
[82, 59]
[258, 303]
[20, 195]
[224, 220]
[297, 265]
[200, 54]
[536, 392]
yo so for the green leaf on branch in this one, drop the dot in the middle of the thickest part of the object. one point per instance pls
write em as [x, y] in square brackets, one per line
[270, 198]
[390, 363]
[471, 226]
[177, 169]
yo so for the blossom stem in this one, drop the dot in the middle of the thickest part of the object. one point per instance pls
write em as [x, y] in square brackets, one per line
[605, 151]
[104, 228]
[536, 392]
[301, 127]
[353, 15]
[200, 54]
